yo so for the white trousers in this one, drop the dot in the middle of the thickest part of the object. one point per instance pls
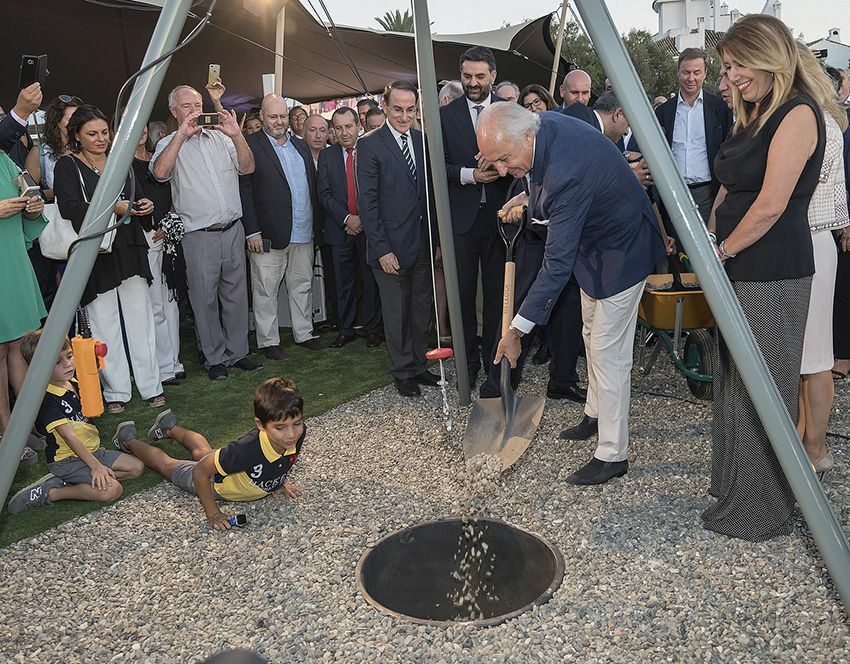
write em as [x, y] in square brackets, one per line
[294, 265]
[166, 316]
[133, 295]
[609, 339]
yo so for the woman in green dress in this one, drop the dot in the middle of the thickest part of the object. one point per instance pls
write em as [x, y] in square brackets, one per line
[21, 222]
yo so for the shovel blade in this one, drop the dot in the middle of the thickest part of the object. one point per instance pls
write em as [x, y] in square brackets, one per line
[494, 430]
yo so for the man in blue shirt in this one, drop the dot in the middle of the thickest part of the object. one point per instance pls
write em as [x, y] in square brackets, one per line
[278, 201]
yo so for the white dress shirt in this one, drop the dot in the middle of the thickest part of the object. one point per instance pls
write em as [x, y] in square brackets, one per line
[397, 136]
[466, 176]
[689, 147]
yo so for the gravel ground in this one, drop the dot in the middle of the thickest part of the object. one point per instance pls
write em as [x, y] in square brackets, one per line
[147, 580]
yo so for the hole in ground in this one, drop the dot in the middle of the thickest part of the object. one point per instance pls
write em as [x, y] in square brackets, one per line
[409, 573]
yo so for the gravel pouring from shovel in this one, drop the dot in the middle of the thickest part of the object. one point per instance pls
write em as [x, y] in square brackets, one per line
[504, 426]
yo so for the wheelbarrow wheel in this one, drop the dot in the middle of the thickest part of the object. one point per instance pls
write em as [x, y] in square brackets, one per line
[699, 357]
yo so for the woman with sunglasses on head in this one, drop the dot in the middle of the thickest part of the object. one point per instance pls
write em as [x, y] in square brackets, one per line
[768, 169]
[121, 276]
[40, 163]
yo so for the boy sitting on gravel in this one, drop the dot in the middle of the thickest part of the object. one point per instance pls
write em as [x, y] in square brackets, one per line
[81, 469]
[246, 469]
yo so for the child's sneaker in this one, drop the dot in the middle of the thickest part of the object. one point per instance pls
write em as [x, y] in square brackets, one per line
[34, 495]
[163, 423]
[125, 432]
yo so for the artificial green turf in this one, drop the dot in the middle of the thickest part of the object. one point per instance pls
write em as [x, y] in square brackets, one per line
[221, 410]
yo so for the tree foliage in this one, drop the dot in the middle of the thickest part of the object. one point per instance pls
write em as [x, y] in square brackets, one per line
[395, 21]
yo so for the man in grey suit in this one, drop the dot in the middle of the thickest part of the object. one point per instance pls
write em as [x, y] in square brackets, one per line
[393, 210]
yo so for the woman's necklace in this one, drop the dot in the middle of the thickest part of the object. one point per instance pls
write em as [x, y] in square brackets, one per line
[89, 163]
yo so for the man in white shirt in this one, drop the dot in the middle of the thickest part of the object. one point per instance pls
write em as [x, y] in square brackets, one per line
[695, 124]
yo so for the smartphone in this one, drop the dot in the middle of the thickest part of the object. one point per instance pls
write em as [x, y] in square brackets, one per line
[26, 185]
[238, 520]
[207, 119]
[267, 246]
[33, 70]
[215, 74]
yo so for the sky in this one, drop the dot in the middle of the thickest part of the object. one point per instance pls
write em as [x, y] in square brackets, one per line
[811, 17]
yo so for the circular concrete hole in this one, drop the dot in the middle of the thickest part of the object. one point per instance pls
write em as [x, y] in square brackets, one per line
[409, 573]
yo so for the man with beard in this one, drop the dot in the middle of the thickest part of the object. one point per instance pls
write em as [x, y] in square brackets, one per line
[476, 192]
[278, 202]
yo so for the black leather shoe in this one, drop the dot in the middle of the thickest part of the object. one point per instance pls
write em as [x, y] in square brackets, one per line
[426, 378]
[373, 340]
[573, 393]
[598, 472]
[407, 387]
[217, 372]
[246, 365]
[589, 426]
[341, 340]
[311, 344]
[274, 353]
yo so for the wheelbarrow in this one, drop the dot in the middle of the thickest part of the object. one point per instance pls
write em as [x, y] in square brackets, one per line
[674, 313]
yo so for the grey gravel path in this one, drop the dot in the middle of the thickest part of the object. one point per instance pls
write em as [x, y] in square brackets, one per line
[146, 580]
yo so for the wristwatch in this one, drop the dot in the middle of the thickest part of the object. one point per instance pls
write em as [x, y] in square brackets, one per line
[516, 331]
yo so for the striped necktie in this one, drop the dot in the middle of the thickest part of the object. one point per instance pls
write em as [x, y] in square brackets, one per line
[407, 156]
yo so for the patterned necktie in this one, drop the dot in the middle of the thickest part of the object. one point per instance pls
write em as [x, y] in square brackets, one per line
[349, 182]
[407, 157]
[477, 110]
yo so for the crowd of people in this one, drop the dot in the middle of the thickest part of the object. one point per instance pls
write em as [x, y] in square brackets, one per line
[764, 158]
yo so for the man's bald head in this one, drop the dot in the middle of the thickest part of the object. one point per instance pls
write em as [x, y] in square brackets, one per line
[576, 88]
[274, 115]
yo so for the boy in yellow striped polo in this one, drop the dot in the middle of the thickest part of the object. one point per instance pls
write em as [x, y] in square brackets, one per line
[250, 468]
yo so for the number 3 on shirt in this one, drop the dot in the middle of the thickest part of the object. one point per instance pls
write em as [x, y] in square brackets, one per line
[258, 470]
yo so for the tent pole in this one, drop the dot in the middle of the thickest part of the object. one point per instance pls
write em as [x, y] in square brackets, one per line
[558, 44]
[165, 36]
[813, 503]
[431, 115]
[278, 49]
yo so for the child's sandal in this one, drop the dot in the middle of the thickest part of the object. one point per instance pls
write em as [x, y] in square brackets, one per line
[114, 407]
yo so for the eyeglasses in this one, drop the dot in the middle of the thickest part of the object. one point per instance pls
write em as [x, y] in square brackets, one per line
[71, 101]
[537, 102]
[401, 112]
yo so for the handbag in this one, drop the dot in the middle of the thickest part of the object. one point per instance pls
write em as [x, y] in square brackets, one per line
[59, 234]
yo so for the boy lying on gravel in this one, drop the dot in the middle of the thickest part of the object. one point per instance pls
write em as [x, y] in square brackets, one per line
[80, 468]
[246, 469]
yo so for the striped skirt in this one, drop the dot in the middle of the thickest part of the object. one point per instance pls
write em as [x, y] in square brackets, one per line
[754, 500]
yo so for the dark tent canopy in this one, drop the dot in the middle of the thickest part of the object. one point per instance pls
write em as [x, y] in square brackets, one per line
[94, 45]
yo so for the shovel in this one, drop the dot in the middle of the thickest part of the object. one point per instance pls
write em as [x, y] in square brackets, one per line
[504, 426]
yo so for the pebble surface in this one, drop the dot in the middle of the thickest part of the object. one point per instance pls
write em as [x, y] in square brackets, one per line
[146, 579]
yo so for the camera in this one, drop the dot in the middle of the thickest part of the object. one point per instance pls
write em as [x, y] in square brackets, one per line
[207, 119]
[26, 185]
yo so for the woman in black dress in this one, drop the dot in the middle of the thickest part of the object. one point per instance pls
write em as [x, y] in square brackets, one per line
[769, 168]
[117, 289]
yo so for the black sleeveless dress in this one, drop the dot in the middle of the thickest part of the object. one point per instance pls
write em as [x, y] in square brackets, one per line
[772, 280]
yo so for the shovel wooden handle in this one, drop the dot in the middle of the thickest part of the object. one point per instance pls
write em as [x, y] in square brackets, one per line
[508, 296]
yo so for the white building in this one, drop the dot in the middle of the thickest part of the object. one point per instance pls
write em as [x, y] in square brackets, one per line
[698, 23]
[837, 54]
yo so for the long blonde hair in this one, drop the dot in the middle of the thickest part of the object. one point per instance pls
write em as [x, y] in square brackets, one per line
[763, 42]
[821, 86]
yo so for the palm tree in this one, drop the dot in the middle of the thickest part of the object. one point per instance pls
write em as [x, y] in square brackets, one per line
[396, 21]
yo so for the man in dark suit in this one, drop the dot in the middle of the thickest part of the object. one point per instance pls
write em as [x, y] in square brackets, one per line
[393, 208]
[602, 229]
[278, 204]
[476, 192]
[14, 124]
[695, 124]
[344, 232]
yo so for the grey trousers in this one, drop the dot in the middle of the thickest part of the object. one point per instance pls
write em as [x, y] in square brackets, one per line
[704, 198]
[215, 272]
[406, 302]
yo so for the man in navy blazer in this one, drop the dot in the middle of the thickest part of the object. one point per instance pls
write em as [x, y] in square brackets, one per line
[476, 192]
[601, 229]
[344, 234]
[695, 124]
[280, 206]
[393, 207]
